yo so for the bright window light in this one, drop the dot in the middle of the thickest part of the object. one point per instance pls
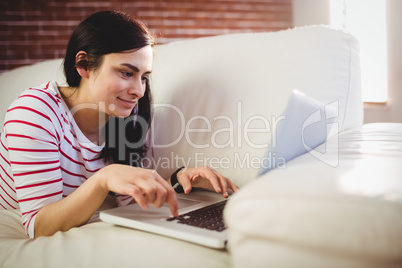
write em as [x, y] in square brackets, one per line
[366, 21]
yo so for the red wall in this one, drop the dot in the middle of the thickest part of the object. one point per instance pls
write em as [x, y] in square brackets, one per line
[36, 30]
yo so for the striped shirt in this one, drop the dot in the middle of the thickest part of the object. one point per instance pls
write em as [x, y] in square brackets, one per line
[44, 156]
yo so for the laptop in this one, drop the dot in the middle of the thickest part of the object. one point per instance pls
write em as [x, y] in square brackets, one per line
[192, 207]
[305, 124]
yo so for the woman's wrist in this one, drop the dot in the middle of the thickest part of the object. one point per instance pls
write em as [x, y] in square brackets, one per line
[175, 182]
[100, 179]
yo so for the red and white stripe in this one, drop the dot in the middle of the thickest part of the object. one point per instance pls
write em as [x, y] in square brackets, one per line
[43, 154]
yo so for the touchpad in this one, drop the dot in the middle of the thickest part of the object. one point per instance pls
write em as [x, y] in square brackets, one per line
[183, 203]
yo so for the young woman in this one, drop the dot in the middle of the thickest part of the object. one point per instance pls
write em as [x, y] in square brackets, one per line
[61, 147]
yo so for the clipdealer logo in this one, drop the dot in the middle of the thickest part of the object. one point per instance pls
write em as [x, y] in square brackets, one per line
[238, 130]
[327, 118]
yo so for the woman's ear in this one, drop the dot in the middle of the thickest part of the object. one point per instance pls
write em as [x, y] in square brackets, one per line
[81, 63]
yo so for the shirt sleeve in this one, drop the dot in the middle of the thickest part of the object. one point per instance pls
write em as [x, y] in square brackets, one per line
[123, 200]
[32, 133]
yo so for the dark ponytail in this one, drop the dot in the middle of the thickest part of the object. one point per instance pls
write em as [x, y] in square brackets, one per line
[100, 34]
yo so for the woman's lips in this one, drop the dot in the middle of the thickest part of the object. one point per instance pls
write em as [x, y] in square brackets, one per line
[128, 103]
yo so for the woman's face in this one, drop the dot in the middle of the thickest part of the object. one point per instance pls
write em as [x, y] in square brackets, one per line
[120, 81]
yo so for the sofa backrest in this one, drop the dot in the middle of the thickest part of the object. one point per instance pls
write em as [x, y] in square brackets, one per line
[218, 99]
[14, 82]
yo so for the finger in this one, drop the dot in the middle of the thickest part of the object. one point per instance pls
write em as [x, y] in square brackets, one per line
[138, 196]
[148, 185]
[224, 183]
[160, 197]
[156, 189]
[150, 191]
[170, 195]
[185, 180]
[233, 186]
[215, 181]
[171, 200]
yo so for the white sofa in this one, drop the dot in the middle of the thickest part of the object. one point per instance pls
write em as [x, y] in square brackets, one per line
[216, 100]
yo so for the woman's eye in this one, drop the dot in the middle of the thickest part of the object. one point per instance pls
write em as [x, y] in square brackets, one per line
[127, 74]
[145, 79]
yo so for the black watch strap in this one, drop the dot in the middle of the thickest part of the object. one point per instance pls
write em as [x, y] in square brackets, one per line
[175, 183]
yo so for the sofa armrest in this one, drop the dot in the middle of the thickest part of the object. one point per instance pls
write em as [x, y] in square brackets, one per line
[311, 214]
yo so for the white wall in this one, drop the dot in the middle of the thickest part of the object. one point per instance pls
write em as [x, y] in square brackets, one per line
[310, 12]
[307, 12]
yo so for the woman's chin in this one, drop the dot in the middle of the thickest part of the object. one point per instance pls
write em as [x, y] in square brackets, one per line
[121, 114]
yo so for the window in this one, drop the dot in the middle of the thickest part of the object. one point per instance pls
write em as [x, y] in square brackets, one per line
[366, 21]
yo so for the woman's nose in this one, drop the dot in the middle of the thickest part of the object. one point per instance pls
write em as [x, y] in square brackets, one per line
[137, 88]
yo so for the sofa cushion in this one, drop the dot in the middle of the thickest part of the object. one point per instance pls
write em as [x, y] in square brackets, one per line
[352, 209]
[100, 244]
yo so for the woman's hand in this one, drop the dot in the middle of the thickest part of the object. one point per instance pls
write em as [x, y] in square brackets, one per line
[207, 178]
[146, 186]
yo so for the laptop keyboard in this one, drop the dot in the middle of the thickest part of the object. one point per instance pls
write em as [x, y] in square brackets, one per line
[209, 217]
